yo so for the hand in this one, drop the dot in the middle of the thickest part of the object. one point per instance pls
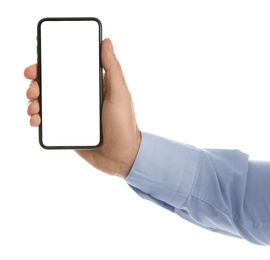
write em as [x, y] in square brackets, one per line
[121, 135]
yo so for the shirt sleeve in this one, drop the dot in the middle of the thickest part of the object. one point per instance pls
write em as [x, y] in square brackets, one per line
[219, 190]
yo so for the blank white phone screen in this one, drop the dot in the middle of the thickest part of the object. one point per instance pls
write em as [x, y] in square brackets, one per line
[70, 83]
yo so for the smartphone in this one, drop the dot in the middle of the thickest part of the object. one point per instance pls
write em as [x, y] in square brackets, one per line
[70, 80]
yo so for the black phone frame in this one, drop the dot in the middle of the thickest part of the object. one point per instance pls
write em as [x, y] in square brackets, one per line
[39, 77]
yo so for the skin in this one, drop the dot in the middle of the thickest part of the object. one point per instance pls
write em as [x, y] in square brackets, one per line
[121, 135]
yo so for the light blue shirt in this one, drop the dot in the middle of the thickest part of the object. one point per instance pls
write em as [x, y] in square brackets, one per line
[219, 190]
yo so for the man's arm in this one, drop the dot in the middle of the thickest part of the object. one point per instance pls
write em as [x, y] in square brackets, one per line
[220, 190]
[197, 184]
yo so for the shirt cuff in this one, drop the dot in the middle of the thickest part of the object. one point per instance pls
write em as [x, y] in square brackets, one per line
[164, 169]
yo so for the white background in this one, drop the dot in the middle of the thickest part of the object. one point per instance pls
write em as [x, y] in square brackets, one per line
[198, 72]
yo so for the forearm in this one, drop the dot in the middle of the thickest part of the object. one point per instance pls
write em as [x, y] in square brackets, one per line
[212, 188]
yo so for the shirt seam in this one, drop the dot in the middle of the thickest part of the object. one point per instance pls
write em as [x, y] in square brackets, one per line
[253, 224]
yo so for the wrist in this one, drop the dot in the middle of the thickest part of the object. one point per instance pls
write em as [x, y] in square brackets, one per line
[126, 165]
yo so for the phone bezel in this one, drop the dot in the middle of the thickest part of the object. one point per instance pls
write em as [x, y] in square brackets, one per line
[39, 79]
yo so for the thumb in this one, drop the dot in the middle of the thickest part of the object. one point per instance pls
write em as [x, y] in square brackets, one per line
[114, 77]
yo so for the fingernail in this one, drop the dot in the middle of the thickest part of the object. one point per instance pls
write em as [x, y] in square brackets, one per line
[30, 84]
[111, 47]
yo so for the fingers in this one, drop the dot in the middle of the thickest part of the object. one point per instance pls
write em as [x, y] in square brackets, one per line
[35, 120]
[31, 72]
[33, 91]
[115, 81]
[108, 58]
[104, 85]
[32, 94]
[33, 108]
